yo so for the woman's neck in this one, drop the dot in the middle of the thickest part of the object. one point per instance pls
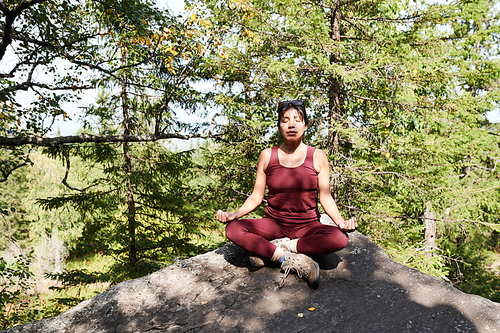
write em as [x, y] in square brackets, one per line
[291, 147]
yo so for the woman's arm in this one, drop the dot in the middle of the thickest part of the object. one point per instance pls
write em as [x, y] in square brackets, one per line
[325, 196]
[257, 195]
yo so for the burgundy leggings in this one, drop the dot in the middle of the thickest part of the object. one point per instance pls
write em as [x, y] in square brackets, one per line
[314, 237]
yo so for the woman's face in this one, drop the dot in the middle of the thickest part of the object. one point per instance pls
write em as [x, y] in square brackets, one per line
[292, 125]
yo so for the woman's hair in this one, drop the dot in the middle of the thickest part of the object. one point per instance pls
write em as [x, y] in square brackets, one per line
[297, 105]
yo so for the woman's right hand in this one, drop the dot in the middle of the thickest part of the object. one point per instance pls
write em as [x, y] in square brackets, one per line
[349, 225]
[225, 217]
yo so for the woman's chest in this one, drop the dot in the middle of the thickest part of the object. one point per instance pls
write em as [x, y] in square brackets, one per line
[282, 179]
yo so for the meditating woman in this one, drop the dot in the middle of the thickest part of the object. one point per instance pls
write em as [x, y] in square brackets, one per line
[290, 228]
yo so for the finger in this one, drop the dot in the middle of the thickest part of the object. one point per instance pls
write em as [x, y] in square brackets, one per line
[220, 216]
[348, 224]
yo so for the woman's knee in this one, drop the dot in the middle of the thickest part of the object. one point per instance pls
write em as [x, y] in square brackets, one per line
[339, 241]
[344, 240]
[230, 230]
[233, 229]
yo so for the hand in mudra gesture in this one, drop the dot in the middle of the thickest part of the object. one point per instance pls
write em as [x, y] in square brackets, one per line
[349, 225]
[225, 217]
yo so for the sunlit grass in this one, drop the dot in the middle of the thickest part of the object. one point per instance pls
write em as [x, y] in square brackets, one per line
[93, 263]
[60, 295]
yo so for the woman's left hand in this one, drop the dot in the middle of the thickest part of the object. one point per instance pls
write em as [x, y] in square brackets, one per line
[350, 224]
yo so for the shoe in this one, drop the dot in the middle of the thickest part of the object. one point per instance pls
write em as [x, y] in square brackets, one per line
[280, 241]
[302, 265]
[258, 262]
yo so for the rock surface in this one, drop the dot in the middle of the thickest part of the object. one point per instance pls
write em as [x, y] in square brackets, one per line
[361, 290]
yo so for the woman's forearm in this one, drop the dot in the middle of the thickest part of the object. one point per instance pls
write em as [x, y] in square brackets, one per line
[252, 202]
[331, 209]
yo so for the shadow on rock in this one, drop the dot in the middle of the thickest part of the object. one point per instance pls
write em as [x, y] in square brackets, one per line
[327, 261]
[238, 257]
[234, 255]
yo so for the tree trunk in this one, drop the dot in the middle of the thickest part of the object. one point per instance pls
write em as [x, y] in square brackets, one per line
[132, 250]
[334, 104]
[430, 231]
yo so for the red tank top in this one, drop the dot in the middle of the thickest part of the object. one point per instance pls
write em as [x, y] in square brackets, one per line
[292, 192]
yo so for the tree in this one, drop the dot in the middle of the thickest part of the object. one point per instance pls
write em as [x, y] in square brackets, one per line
[76, 45]
[144, 61]
[399, 92]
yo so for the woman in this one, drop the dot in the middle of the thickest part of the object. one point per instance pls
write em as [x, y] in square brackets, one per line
[293, 173]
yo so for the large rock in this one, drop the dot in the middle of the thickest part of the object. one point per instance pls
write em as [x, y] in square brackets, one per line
[361, 290]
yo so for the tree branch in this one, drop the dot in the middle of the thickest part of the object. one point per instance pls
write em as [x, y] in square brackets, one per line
[416, 217]
[9, 172]
[409, 19]
[387, 101]
[83, 138]
[10, 16]
[64, 181]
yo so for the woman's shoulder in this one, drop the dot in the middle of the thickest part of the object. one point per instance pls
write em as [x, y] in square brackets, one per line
[266, 152]
[320, 160]
[319, 152]
[265, 157]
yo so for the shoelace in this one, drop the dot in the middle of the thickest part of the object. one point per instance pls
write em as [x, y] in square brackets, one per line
[293, 263]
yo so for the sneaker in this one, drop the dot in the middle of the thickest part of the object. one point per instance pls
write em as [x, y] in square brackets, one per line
[258, 262]
[303, 266]
[280, 241]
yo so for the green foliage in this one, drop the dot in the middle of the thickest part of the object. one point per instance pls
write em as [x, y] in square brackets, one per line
[14, 285]
[42, 23]
[232, 169]
[168, 211]
[414, 82]
[24, 221]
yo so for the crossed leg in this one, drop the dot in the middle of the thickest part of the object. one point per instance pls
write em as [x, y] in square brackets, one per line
[254, 235]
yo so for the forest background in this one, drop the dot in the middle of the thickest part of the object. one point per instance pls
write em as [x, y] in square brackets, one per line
[400, 95]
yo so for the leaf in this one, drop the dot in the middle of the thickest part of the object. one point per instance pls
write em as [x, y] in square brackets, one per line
[205, 23]
[249, 33]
